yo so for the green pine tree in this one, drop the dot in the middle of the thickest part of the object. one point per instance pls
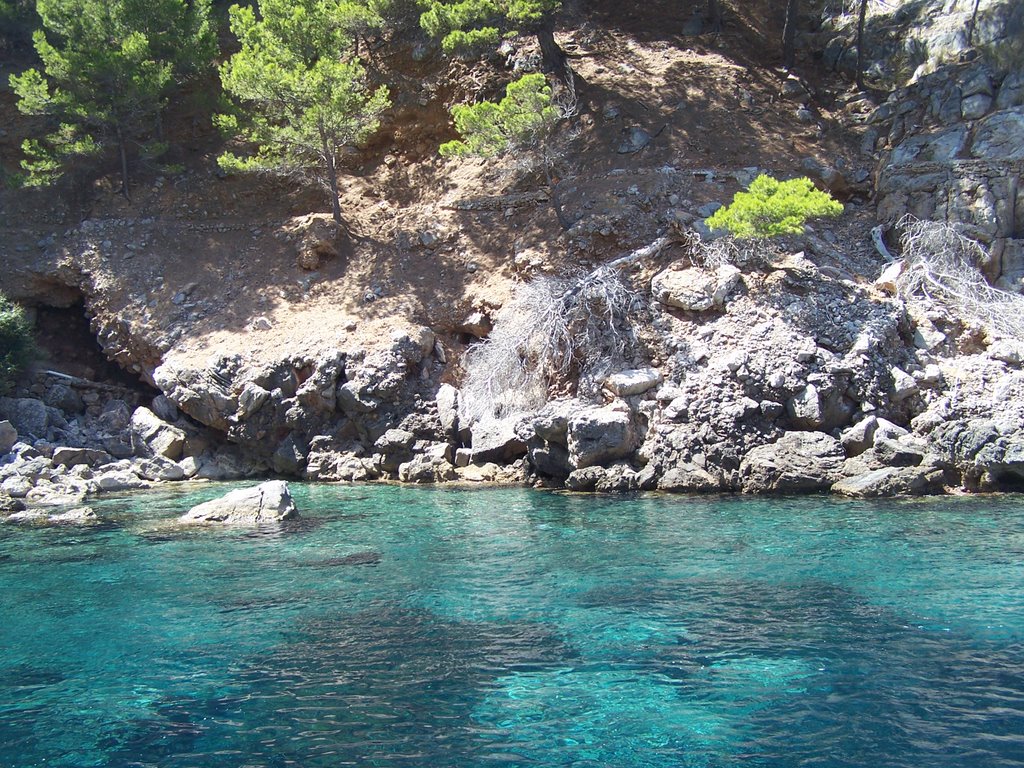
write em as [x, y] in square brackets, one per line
[523, 122]
[108, 66]
[299, 97]
[468, 26]
[771, 207]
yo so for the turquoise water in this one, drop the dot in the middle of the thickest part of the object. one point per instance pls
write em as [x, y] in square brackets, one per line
[408, 627]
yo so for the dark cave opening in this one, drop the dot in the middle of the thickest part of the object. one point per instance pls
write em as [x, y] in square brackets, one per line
[67, 344]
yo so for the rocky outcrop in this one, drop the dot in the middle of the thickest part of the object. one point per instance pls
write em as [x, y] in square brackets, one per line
[267, 503]
[798, 462]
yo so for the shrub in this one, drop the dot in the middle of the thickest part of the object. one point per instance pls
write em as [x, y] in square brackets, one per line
[16, 345]
[771, 207]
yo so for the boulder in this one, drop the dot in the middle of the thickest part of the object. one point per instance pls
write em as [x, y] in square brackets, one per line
[1000, 135]
[120, 480]
[10, 504]
[695, 289]
[892, 481]
[151, 435]
[599, 435]
[76, 516]
[394, 447]
[8, 436]
[496, 440]
[633, 382]
[798, 462]
[860, 437]
[426, 469]
[65, 398]
[448, 409]
[27, 415]
[688, 478]
[70, 457]
[805, 408]
[262, 504]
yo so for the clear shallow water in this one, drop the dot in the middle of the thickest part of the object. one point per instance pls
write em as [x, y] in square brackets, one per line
[407, 627]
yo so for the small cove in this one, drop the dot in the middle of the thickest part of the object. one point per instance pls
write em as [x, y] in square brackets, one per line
[398, 626]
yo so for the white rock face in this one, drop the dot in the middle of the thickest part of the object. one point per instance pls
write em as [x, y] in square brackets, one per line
[269, 502]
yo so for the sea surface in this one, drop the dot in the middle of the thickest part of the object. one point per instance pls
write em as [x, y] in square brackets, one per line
[448, 627]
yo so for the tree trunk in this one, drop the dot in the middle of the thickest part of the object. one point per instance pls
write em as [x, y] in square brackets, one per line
[556, 198]
[789, 34]
[860, 43]
[123, 150]
[974, 23]
[715, 16]
[552, 54]
[332, 179]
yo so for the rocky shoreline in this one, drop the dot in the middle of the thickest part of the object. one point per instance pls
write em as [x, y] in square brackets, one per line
[779, 379]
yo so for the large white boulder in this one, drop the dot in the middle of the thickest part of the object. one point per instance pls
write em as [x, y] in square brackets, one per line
[268, 502]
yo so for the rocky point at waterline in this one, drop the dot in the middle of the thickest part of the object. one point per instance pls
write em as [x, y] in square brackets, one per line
[279, 348]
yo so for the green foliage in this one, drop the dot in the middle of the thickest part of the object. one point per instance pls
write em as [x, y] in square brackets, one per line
[16, 345]
[524, 119]
[771, 207]
[108, 66]
[466, 26]
[296, 95]
[17, 20]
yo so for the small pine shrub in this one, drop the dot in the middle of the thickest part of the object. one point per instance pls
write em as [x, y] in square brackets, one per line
[771, 207]
[16, 345]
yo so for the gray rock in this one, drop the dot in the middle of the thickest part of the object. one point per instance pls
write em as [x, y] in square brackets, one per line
[695, 289]
[290, 457]
[976, 106]
[160, 469]
[860, 437]
[448, 409]
[153, 436]
[9, 504]
[28, 415]
[65, 398]
[1011, 92]
[267, 503]
[496, 441]
[892, 481]
[120, 480]
[633, 382]
[798, 462]
[600, 435]
[394, 447]
[17, 486]
[903, 385]
[70, 457]
[900, 452]
[476, 324]
[76, 516]
[426, 469]
[164, 408]
[688, 478]
[116, 415]
[634, 140]
[584, 479]
[805, 409]
[8, 436]
[1000, 136]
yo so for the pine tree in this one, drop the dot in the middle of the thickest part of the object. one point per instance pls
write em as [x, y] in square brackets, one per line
[523, 122]
[108, 66]
[470, 25]
[299, 97]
